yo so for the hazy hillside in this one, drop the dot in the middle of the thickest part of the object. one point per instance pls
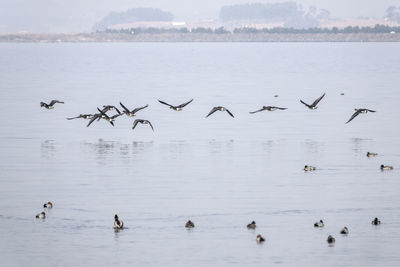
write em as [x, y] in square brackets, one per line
[132, 15]
[290, 13]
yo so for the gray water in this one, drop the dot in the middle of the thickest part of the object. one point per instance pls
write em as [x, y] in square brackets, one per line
[220, 172]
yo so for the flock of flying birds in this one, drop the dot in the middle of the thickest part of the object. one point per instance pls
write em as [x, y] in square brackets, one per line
[102, 113]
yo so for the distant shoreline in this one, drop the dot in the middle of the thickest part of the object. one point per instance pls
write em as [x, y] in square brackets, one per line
[199, 37]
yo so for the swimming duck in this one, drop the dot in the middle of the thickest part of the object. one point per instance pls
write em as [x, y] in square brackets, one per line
[344, 231]
[178, 107]
[252, 225]
[372, 154]
[48, 205]
[319, 224]
[309, 168]
[189, 224]
[118, 224]
[219, 109]
[385, 168]
[269, 108]
[133, 112]
[314, 104]
[142, 122]
[83, 116]
[260, 239]
[41, 215]
[51, 104]
[359, 111]
[330, 239]
[376, 221]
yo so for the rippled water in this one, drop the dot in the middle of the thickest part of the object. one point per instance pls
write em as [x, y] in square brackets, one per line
[220, 172]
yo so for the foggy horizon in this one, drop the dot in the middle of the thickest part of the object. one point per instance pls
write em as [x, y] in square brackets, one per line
[77, 16]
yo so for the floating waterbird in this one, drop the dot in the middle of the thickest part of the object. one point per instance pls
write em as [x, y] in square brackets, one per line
[372, 154]
[189, 224]
[48, 205]
[376, 221]
[344, 231]
[330, 239]
[252, 225]
[386, 168]
[260, 239]
[41, 215]
[309, 168]
[118, 224]
[319, 224]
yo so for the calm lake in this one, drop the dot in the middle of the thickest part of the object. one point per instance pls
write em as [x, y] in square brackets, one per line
[220, 172]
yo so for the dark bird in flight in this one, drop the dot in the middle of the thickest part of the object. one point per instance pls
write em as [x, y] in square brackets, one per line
[269, 108]
[51, 104]
[314, 104]
[108, 107]
[359, 111]
[142, 122]
[177, 108]
[220, 109]
[103, 115]
[131, 113]
[83, 116]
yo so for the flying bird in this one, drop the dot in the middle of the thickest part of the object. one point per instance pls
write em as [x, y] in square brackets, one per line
[131, 113]
[51, 104]
[109, 107]
[83, 116]
[220, 109]
[314, 104]
[269, 108]
[177, 108]
[142, 122]
[104, 116]
[359, 111]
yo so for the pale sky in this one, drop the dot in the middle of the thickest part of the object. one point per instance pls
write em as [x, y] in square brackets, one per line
[80, 15]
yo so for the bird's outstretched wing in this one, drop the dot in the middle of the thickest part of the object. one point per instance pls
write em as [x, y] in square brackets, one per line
[74, 118]
[125, 108]
[230, 113]
[307, 105]
[55, 101]
[102, 112]
[317, 100]
[115, 116]
[252, 112]
[162, 102]
[355, 114]
[280, 108]
[119, 112]
[151, 125]
[185, 104]
[212, 111]
[140, 108]
[95, 116]
[134, 124]
[371, 110]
